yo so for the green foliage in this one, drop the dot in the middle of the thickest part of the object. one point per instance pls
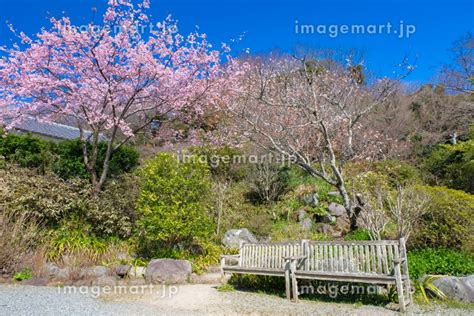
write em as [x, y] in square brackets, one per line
[448, 223]
[223, 162]
[452, 166]
[51, 200]
[271, 284]
[24, 274]
[172, 203]
[440, 261]
[287, 231]
[25, 150]
[70, 239]
[226, 287]
[427, 285]
[45, 198]
[239, 211]
[64, 158]
[112, 212]
[392, 172]
[358, 234]
[70, 163]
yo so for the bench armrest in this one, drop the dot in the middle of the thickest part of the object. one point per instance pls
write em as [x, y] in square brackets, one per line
[230, 256]
[295, 257]
[399, 260]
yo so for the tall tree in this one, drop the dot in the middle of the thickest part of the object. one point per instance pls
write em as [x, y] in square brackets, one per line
[459, 75]
[310, 114]
[112, 79]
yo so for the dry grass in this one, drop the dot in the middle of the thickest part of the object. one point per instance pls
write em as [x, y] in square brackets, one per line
[18, 238]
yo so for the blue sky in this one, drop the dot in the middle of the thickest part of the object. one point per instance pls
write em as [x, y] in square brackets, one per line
[270, 25]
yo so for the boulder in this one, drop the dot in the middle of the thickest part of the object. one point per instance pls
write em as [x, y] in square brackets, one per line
[233, 237]
[328, 219]
[311, 199]
[459, 289]
[336, 210]
[53, 272]
[137, 272]
[324, 228]
[343, 224]
[94, 272]
[168, 271]
[306, 224]
[105, 281]
[122, 270]
[300, 214]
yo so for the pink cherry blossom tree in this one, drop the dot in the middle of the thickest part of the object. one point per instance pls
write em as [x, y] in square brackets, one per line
[112, 79]
[311, 113]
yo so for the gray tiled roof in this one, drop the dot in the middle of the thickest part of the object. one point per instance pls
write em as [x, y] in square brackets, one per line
[51, 129]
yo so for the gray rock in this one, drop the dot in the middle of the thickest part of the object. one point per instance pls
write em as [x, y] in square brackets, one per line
[328, 219]
[105, 281]
[324, 228]
[336, 209]
[343, 224]
[136, 282]
[94, 272]
[459, 289]
[168, 271]
[137, 272]
[300, 215]
[311, 199]
[306, 224]
[334, 193]
[233, 237]
[51, 270]
[122, 270]
[63, 274]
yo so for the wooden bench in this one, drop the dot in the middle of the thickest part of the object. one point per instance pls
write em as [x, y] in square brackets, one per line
[381, 262]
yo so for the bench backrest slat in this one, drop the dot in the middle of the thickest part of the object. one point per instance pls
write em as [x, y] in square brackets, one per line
[375, 257]
[268, 255]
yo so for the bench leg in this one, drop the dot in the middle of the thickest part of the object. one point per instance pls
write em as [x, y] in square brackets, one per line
[399, 283]
[294, 282]
[287, 281]
[408, 292]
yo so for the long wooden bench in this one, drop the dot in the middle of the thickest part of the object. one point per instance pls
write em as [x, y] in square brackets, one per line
[381, 262]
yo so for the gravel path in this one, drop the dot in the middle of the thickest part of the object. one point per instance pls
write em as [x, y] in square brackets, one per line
[185, 300]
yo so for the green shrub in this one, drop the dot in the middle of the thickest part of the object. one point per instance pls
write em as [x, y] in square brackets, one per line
[452, 166]
[172, 204]
[50, 200]
[238, 211]
[45, 198]
[448, 223]
[224, 162]
[25, 150]
[440, 261]
[112, 212]
[358, 234]
[74, 243]
[394, 172]
[288, 231]
[64, 158]
[24, 274]
[70, 164]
